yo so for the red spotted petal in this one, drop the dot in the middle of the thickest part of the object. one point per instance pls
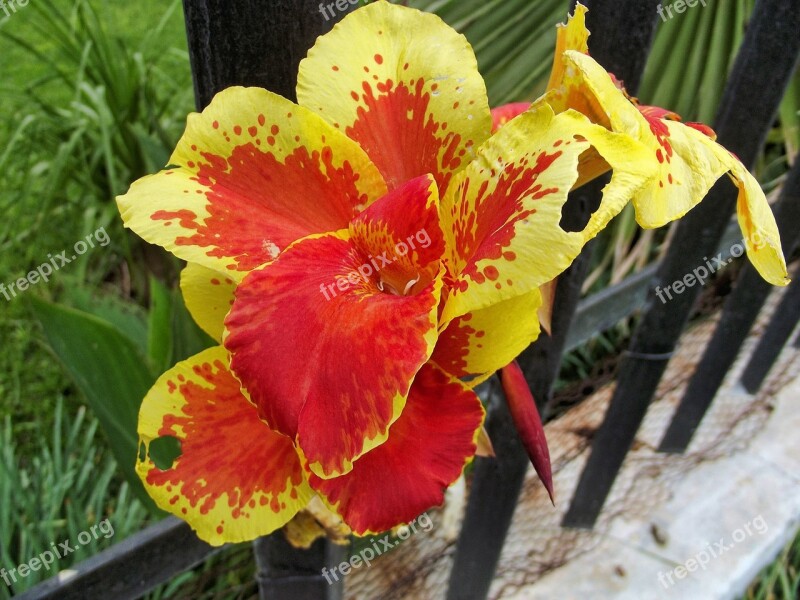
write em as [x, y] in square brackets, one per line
[255, 173]
[326, 355]
[235, 479]
[475, 345]
[402, 84]
[427, 449]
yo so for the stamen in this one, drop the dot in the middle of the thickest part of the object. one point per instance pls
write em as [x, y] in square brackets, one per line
[410, 284]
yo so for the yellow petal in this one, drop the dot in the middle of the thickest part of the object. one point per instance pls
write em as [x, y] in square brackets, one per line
[477, 344]
[254, 173]
[502, 214]
[208, 296]
[236, 479]
[402, 84]
[688, 164]
[570, 36]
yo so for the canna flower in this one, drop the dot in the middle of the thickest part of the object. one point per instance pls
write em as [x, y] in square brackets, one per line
[364, 258]
[688, 159]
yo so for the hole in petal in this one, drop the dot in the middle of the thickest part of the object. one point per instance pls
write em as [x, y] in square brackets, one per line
[164, 451]
[581, 203]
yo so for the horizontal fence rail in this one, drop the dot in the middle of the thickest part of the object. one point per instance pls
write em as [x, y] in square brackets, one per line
[130, 569]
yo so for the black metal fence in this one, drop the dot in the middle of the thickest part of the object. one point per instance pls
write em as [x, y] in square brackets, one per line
[622, 34]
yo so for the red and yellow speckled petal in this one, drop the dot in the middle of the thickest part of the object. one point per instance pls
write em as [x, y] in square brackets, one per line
[689, 162]
[400, 233]
[402, 84]
[427, 450]
[324, 353]
[208, 296]
[254, 173]
[503, 114]
[502, 215]
[235, 479]
[479, 343]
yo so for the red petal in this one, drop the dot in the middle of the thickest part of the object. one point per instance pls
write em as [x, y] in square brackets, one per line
[324, 353]
[427, 449]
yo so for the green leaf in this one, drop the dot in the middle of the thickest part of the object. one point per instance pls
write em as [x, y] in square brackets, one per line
[159, 340]
[110, 372]
[127, 317]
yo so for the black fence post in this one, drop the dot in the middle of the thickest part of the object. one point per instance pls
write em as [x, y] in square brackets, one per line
[760, 75]
[740, 312]
[497, 481]
[251, 43]
[778, 332]
[261, 43]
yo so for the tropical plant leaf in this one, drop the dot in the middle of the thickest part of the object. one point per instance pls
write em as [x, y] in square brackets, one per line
[110, 372]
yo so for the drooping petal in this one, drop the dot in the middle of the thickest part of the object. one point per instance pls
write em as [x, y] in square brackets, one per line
[325, 354]
[402, 84]
[477, 344]
[501, 216]
[235, 479]
[758, 226]
[208, 296]
[528, 423]
[254, 173]
[689, 163]
[428, 448]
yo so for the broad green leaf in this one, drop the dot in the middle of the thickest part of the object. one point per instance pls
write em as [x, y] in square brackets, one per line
[110, 372]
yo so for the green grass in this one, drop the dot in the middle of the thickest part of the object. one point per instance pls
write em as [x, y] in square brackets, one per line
[91, 104]
[64, 484]
[781, 579]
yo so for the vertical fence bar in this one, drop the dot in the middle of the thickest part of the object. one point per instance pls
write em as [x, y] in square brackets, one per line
[774, 339]
[756, 85]
[740, 312]
[261, 43]
[251, 42]
[286, 573]
[622, 35]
